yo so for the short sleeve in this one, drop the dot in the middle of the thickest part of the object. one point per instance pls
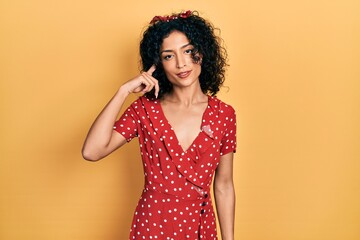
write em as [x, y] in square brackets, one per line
[228, 142]
[126, 124]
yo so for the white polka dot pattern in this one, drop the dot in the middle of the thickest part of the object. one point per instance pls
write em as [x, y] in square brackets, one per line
[176, 202]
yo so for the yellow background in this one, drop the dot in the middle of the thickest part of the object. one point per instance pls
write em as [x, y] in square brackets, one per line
[294, 80]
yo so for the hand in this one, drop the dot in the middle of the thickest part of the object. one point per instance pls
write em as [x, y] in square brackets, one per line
[144, 82]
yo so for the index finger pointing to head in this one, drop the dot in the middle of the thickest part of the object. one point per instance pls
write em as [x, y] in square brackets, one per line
[151, 69]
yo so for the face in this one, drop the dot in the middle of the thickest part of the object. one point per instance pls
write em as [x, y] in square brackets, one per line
[176, 57]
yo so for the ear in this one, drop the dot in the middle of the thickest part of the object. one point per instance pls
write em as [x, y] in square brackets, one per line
[198, 58]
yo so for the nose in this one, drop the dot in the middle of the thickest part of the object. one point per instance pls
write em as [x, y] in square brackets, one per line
[180, 61]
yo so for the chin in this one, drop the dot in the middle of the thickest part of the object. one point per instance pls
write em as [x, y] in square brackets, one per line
[183, 82]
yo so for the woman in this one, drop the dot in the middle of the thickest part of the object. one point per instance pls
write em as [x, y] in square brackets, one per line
[186, 134]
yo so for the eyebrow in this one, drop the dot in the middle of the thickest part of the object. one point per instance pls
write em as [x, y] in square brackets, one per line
[184, 46]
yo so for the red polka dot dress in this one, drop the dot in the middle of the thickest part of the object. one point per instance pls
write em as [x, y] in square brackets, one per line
[176, 203]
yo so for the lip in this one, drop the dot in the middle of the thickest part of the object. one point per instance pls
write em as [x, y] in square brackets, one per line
[184, 74]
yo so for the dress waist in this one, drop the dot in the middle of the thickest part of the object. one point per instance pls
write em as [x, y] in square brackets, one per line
[202, 194]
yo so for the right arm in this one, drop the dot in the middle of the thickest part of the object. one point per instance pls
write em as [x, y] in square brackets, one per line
[101, 139]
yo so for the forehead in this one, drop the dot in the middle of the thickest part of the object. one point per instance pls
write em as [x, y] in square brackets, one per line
[176, 39]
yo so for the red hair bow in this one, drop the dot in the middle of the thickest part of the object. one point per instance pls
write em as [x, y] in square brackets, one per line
[171, 17]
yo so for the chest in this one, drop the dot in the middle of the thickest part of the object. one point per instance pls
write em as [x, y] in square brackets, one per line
[185, 122]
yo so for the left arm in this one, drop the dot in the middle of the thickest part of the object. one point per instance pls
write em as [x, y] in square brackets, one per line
[224, 193]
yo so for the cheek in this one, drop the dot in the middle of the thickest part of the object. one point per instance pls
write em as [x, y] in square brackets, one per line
[166, 69]
[198, 66]
[167, 66]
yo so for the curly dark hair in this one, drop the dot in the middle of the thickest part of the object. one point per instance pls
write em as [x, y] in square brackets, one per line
[200, 33]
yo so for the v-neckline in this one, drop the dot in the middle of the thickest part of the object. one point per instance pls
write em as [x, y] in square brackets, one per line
[173, 130]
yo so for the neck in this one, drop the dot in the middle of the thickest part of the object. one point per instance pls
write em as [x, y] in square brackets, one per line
[186, 96]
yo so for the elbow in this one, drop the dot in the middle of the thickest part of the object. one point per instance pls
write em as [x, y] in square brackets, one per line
[90, 156]
[226, 187]
[227, 192]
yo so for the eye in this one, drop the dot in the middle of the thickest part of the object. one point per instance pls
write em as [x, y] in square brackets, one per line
[167, 57]
[189, 51]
